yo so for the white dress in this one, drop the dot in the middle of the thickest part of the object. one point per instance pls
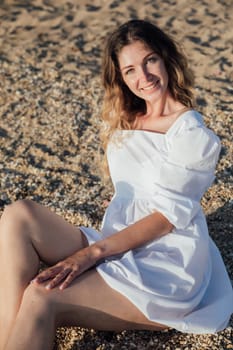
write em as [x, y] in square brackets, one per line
[178, 280]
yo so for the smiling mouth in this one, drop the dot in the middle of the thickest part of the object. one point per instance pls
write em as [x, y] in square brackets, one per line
[150, 87]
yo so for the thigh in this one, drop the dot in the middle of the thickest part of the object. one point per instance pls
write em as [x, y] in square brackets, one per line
[91, 303]
[52, 237]
[59, 238]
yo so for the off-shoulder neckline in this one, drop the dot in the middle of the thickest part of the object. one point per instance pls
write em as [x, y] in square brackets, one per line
[176, 122]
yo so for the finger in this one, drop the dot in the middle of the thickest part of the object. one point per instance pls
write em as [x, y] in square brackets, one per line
[72, 275]
[47, 274]
[60, 277]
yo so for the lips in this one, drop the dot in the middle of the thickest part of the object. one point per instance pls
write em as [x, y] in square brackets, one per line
[150, 87]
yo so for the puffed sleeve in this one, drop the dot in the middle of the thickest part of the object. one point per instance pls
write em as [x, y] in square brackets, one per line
[186, 172]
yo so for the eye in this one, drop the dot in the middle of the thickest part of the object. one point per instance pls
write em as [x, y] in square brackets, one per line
[129, 71]
[152, 59]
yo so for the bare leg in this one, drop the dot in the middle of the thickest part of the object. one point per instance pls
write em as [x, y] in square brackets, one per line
[28, 233]
[88, 302]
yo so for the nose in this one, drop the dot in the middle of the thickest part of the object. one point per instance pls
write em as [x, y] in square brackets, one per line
[144, 74]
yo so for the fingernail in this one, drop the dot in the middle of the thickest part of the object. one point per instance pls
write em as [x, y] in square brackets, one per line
[48, 286]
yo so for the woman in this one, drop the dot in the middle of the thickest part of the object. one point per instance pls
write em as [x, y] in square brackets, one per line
[154, 265]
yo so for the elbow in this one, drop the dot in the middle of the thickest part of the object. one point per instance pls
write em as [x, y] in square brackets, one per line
[167, 228]
[166, 225]
[170, 227]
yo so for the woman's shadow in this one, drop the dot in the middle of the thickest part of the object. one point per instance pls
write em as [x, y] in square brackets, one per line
[220, 226]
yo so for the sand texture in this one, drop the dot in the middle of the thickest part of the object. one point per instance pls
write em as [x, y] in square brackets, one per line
[50, 99]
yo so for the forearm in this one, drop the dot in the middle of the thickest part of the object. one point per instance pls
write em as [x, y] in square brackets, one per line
[145, 230]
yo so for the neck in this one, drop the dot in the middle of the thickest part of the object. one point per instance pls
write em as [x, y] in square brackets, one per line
[160, 115]
[162, 108]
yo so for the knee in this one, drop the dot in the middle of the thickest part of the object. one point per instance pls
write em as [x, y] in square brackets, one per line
[17, 218]
[38, 303]
[20, 210]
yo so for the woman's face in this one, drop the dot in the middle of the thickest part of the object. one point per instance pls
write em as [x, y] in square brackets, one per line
[143, 71]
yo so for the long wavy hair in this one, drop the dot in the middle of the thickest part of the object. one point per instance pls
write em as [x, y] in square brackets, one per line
[120, 105]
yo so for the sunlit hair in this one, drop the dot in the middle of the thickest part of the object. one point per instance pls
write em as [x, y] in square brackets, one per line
[120, 105]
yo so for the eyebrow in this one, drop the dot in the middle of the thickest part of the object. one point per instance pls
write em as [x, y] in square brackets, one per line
[130, 66]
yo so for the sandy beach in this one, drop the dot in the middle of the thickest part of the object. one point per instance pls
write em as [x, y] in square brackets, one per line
[50, 101]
